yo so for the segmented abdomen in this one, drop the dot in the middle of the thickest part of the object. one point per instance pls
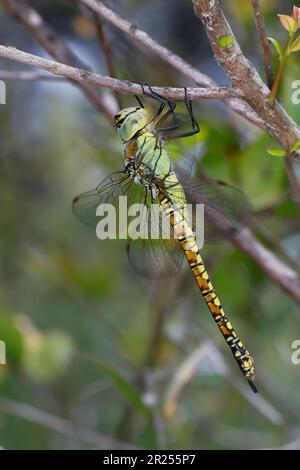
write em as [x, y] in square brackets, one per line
[188, 242]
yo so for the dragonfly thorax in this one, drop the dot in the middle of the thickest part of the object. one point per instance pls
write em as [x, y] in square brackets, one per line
[139, 173]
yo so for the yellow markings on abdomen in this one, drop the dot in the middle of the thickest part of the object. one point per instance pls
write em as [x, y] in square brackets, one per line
[188, 242]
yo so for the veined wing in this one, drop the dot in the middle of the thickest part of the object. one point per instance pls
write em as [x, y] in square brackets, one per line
[156, 253]
[226, 209]
[108, 191]
[160, 255]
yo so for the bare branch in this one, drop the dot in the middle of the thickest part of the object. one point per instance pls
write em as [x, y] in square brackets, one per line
[51, 42]
[295, 188]
[238, 105]
[274, 242]
[105, 46]
[243, 74]
[182, 377]
[63, 426]
[86, 77]
[107, 52]
[292, 445]
[265, 44]
[27, 75]
[106, 49]
[275, 269]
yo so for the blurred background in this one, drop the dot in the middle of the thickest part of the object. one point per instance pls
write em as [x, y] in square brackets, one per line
[98, 357]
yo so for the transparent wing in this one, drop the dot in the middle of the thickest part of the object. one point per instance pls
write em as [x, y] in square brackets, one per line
[155, 259]
[108, 191]
[227, 210]
[160, 255]
[156, 253]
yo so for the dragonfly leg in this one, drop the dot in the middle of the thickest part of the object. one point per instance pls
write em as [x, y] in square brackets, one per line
[139, 101]
[195, 126]
[163, 102]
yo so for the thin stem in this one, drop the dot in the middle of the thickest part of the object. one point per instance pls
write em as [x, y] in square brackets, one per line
[55, 423]
[293, 180]
[106, 49]
[265, 44]
[282, 62]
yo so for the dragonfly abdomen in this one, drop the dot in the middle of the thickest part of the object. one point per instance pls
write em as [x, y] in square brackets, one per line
[188, 242]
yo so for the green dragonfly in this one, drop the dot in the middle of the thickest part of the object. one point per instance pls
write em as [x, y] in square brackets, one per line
[150, 176]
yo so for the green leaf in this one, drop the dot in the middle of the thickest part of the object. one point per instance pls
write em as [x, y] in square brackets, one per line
[295, 146]
[275, 152]
[226, 41]
[276, 45]
[122, 384]
[295, 46]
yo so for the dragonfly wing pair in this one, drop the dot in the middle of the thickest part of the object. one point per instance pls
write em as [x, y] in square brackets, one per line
[158, 253]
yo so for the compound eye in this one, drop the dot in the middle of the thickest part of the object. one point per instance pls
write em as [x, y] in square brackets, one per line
[117, 121]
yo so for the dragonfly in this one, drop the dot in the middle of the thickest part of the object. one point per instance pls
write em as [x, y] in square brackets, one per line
[150, 175]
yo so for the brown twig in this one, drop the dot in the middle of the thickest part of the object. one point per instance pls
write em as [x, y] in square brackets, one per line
[107, 52]
[51, 42]
[83, 76]
[187, 70]
[274, 242]
[243, 74]
[295, 188]
[272, 266]
[27, 75]
[265, 44]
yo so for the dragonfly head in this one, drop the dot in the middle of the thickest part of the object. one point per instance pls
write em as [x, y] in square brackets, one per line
[129, 121]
